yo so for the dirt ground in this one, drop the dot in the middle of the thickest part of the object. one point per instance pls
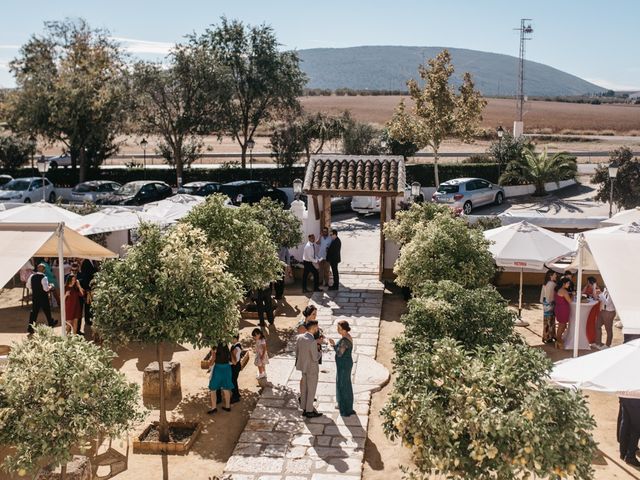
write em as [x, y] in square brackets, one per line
[220, 431]
[384, 458]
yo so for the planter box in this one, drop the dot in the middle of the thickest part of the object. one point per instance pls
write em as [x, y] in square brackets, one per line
[174, 447]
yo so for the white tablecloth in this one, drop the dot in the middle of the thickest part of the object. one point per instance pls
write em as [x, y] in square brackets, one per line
[583, 342]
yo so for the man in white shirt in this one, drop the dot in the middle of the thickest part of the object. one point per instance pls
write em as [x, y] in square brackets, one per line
[40, 288]
[308, 259]
[605, 317]
[323, 245]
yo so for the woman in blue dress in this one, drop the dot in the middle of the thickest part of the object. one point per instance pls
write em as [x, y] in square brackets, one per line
[344, 364]
[220, 376]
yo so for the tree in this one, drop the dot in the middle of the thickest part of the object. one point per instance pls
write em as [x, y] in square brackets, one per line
[400, 133]
[488, 414]
[472, 316]
[57, 393]
[15, 151]
[176, 102]
[70, 89]
[445, 249]
[285, 229]
[509, 149]
[286, 144]
[251, 255]
[169, 288]
[360, 138]
[258, 83]
[408, 223]
[439, 112]
[539, 168]
[626, 188]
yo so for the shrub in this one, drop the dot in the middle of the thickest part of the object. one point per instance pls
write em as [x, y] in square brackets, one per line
[285, 229]
[360, 138]
[15, 151]
[407, 223]
[58, 393]
[626, 188]
[445, 249]
[474, 317]
[488, 414]
[539, 169]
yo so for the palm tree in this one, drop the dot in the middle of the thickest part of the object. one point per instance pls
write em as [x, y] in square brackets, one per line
[539, 168]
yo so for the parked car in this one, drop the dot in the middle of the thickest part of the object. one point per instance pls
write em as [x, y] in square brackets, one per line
[4, 179]
[27, 190]
[252, 191]
[465, 194]
[338, 204]
[365, 205]
[201, 189]
[59, 161]
[137, 193]
[93, 190]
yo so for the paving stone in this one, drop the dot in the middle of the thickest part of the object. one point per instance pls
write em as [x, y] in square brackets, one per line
[297, 452]
[323, 441]
[366, 350]
[239, 476]
[254, 464]
[289, 427]
[260, 425]
[314, 428]
[247, 449]
[264, 437]
[344, 465]
[335, 452]
[275, 450]
[303, 440]
[348, 442]
[303, 465]
[270, 477]
[345, 431]
[333, 476]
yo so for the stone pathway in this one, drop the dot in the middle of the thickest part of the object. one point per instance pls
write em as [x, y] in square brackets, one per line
[278, 443]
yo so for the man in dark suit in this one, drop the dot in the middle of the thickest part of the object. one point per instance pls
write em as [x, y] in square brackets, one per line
[40, 288]
[333, 257]
[629, 430]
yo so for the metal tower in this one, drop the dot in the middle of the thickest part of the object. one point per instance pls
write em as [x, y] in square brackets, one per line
[525, 32]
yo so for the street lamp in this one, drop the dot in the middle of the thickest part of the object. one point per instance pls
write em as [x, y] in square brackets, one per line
[297, 188]
[250, 145]
[143, 144]
[43, 168]
[500, 132]
[613, 173]
[33, 143]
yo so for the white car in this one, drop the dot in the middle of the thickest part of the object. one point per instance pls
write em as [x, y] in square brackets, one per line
[28, 190]
[366, 205]
[59, 161]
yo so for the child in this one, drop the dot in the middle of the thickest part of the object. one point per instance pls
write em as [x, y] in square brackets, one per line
[262, 359]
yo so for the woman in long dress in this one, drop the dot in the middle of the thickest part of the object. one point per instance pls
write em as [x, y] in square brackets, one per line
[547, 298]
[562, 309]
[344, 364]
[72, 304]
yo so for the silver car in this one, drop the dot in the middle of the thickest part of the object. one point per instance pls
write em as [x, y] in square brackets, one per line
[93, 190]
[465, 194]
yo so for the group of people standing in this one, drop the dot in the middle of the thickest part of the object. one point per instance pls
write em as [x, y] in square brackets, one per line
[320, 256]
[78, 284]
[556, 297]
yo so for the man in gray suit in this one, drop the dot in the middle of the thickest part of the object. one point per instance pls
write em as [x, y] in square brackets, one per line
[307, 358]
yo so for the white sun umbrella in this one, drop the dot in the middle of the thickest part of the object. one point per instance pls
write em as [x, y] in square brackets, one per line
[113, 219]
[173, 208]
[39, 212]
[625, 216]
[523, 245]
[614, 370]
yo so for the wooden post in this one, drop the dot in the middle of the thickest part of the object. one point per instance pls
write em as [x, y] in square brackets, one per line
[325, 220]
[383, 219]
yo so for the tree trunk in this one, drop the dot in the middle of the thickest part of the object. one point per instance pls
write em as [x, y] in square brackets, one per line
[164, 427]
[63, 472]
[177, 155]
[83, 165]
[243, 155]
[435, 168]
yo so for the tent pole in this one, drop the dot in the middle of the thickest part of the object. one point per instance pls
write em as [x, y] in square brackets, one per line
[63, 314]
[520, 296]
[578, 297]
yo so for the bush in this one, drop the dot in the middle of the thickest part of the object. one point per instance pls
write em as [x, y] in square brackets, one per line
[424, 172]
[360, 138]
[407, 223]
[626, 188]
[445, 249]
[488, 414]
[15, 151]
[474, 317]
[285, 229]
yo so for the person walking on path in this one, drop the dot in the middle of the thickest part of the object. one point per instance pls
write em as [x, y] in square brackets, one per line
[262, 356]
[40, 288]
[605, 318]
[236, 366]
[264, 304]
[323, 244]
[344, 364]
[547, 298]
[563, 301]
[221, 377]
[309, 258]
[307, 362]
[86, 273]
[73, 294]
[333, 257]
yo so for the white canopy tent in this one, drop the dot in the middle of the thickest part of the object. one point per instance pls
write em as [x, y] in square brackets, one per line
[19, 242]
[173, 208]
[112, 219]
[527, 246]
[623, 217]
[614, 370]
[40, 212]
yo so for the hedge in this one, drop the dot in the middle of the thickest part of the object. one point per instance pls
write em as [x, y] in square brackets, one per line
[277, 177]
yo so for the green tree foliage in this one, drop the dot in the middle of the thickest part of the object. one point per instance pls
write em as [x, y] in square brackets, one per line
[285, 230]
[474, 317]
[258, 82]
[445, 249]
[15, 151]
[176, 102]
[488, 414]
[439, 111]
[71, 90]
[539, 168]
[359, 138]
[58, 393]
[286, 143]
[407, 223]
[626, 188]
[509, 149]
[168, 288]
[251, 255]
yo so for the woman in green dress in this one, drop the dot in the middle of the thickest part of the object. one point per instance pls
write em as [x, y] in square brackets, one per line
[344, 364]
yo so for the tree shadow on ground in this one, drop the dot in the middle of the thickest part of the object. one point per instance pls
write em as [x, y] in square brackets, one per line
[145, 353]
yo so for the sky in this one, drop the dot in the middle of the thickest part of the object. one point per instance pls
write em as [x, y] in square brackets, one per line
[594, 40]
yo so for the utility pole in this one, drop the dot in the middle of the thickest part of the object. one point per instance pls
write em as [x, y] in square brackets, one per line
[525, 34]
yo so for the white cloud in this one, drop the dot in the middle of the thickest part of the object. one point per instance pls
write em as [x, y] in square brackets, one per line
[613, 85]
[132, 45]
[9, 47]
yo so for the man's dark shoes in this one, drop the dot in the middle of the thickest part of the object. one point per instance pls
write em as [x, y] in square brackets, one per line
[333, 288]
[53, 324]
[305, 290]
[317, 290]
[313, 414]
[633, 461]
[30, 330]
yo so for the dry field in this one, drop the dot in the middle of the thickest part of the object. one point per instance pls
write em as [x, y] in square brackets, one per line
[540, 117]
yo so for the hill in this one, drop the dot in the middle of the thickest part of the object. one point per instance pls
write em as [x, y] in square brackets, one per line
[389, 67]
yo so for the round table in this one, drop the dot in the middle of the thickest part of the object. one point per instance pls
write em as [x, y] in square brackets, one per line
[583, 341]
